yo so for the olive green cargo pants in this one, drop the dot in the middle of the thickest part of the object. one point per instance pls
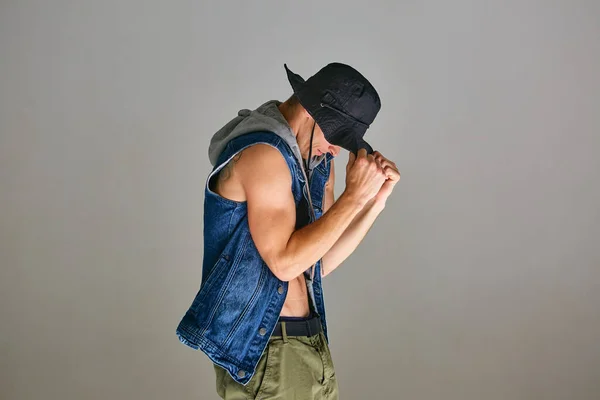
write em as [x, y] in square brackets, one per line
[291, 367]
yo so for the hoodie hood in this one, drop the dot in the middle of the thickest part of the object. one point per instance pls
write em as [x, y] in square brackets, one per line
[267, 118]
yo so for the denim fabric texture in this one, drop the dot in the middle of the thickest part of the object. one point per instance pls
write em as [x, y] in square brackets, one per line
[235, 310]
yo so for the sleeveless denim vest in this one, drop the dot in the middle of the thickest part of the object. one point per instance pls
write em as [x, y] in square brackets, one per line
[239, 301]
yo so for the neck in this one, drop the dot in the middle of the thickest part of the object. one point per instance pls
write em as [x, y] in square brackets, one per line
[290, 115]
[298, 123]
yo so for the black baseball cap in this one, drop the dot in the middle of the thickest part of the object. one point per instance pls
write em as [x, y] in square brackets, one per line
[341, 101]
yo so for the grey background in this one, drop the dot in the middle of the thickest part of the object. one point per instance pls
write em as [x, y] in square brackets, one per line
[481, 279]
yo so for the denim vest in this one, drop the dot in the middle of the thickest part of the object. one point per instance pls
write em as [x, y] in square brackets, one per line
[239, 301]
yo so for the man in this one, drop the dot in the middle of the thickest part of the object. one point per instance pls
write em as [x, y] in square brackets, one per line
[272, 230]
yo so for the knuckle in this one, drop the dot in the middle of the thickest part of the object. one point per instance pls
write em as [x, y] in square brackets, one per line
[362, 161]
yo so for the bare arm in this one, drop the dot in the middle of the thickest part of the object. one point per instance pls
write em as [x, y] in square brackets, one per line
[266, 181]
[353, 235]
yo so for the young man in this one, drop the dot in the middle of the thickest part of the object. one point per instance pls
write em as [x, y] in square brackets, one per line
[272, 231]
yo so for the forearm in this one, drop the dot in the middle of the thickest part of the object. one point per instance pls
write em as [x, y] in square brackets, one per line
[309, 244]
[350, 239]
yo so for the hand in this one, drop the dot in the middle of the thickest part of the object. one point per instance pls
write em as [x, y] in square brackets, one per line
[392, 177]
[364, 176]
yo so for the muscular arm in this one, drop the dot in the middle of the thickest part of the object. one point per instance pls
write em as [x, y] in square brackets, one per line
[266, 180]
[353, 235]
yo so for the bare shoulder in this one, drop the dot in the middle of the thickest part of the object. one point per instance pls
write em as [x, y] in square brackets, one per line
[249, 170]
[262, 169]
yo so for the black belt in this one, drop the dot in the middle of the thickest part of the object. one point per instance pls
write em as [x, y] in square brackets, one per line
[308, 327]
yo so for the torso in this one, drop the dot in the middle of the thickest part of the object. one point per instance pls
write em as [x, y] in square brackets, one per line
[296, 301]
[227, 185]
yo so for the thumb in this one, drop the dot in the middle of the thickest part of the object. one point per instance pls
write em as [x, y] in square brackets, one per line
[351, 158]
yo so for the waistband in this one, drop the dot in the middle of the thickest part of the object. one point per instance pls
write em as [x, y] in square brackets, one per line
[298, 326]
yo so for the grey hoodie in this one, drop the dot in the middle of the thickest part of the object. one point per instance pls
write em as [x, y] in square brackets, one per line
[268, 118]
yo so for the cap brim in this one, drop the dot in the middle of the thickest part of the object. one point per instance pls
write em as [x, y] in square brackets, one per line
[352, 144]
[340, 131]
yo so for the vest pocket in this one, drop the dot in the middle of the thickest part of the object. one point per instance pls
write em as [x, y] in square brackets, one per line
[208, 283]
[233, 298]
[223, 258]
[248, 314]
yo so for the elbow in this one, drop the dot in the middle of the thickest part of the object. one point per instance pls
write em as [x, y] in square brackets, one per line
[280, 273]
[283, 277]
[283, 270]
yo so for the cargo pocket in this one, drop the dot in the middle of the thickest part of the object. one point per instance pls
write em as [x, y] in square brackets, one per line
[323, 349]
[260, 383]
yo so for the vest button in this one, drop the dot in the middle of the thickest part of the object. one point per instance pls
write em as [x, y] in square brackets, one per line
[241, 373]
[280, 289]
[262, 331]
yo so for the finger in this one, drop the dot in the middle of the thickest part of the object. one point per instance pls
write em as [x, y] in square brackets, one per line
[351, 159]
[361, 153]
[392, 174]
[384, 158]
[377, 153]
[379, 162]
[372, 159]
[387, 163]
